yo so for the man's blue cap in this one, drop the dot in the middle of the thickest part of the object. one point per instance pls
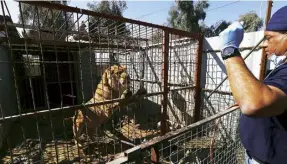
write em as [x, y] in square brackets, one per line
[278, 21]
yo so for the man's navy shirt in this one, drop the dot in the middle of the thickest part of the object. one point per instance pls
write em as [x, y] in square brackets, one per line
[266, 138]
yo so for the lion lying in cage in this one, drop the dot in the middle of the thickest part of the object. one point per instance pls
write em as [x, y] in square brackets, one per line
[114, 84]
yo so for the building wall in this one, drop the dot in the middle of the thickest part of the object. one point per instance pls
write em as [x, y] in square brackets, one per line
[8, 102]
[87, 75]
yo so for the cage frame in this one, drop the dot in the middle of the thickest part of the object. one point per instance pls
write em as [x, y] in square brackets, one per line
[167, 30]
[127, 155]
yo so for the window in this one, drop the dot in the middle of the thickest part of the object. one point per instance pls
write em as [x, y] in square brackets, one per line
[32, 65]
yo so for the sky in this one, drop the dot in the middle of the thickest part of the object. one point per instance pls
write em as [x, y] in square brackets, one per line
[157, 11]
[218, 10]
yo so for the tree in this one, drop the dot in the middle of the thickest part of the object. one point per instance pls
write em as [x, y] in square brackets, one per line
[219, 26]
[185, 15]
[47, 17]
[207, 31]
[107, 26]
[156, 37]
[215, 29]
[251, 21]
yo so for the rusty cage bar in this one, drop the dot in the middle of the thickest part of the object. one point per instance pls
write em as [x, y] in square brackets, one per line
[89, 87]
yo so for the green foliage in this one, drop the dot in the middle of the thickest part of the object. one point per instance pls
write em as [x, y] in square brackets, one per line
[207, 31]
[156, 37]
[251, 21]
[185, 15]
[216, 29]
[46, 18]
[108, 26]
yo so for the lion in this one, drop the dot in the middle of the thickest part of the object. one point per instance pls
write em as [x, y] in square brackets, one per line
[115, 83]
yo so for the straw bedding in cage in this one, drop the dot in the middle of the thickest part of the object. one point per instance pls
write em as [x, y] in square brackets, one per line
[196, 150]
[133, 131]
[200, 142]
[64, 152]
[30, 151]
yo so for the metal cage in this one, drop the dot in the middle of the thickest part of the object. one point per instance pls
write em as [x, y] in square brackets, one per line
[52, 65]
[208, 141]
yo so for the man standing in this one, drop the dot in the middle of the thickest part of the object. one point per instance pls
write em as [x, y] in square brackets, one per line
[263, 123]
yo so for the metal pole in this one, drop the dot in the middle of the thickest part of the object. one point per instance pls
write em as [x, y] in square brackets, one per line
[197, 76]
[165, 52]
[263, 56]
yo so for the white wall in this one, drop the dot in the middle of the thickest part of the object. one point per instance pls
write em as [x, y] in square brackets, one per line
[213, 72]
[252, 62]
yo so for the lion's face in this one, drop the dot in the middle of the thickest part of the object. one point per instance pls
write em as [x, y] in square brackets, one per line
[117, 77]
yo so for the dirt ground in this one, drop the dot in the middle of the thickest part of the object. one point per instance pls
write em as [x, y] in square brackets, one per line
[57, 145]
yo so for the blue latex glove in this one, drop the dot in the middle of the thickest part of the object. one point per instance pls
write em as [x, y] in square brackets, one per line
[232, 36]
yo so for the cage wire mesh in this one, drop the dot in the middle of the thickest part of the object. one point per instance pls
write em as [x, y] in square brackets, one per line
[182, 61]
[215, 139]
[205, 142]
[213, 74]
[58, 70]
[84, 87]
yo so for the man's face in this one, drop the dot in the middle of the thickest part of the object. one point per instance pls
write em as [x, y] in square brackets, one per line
[276, 42]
